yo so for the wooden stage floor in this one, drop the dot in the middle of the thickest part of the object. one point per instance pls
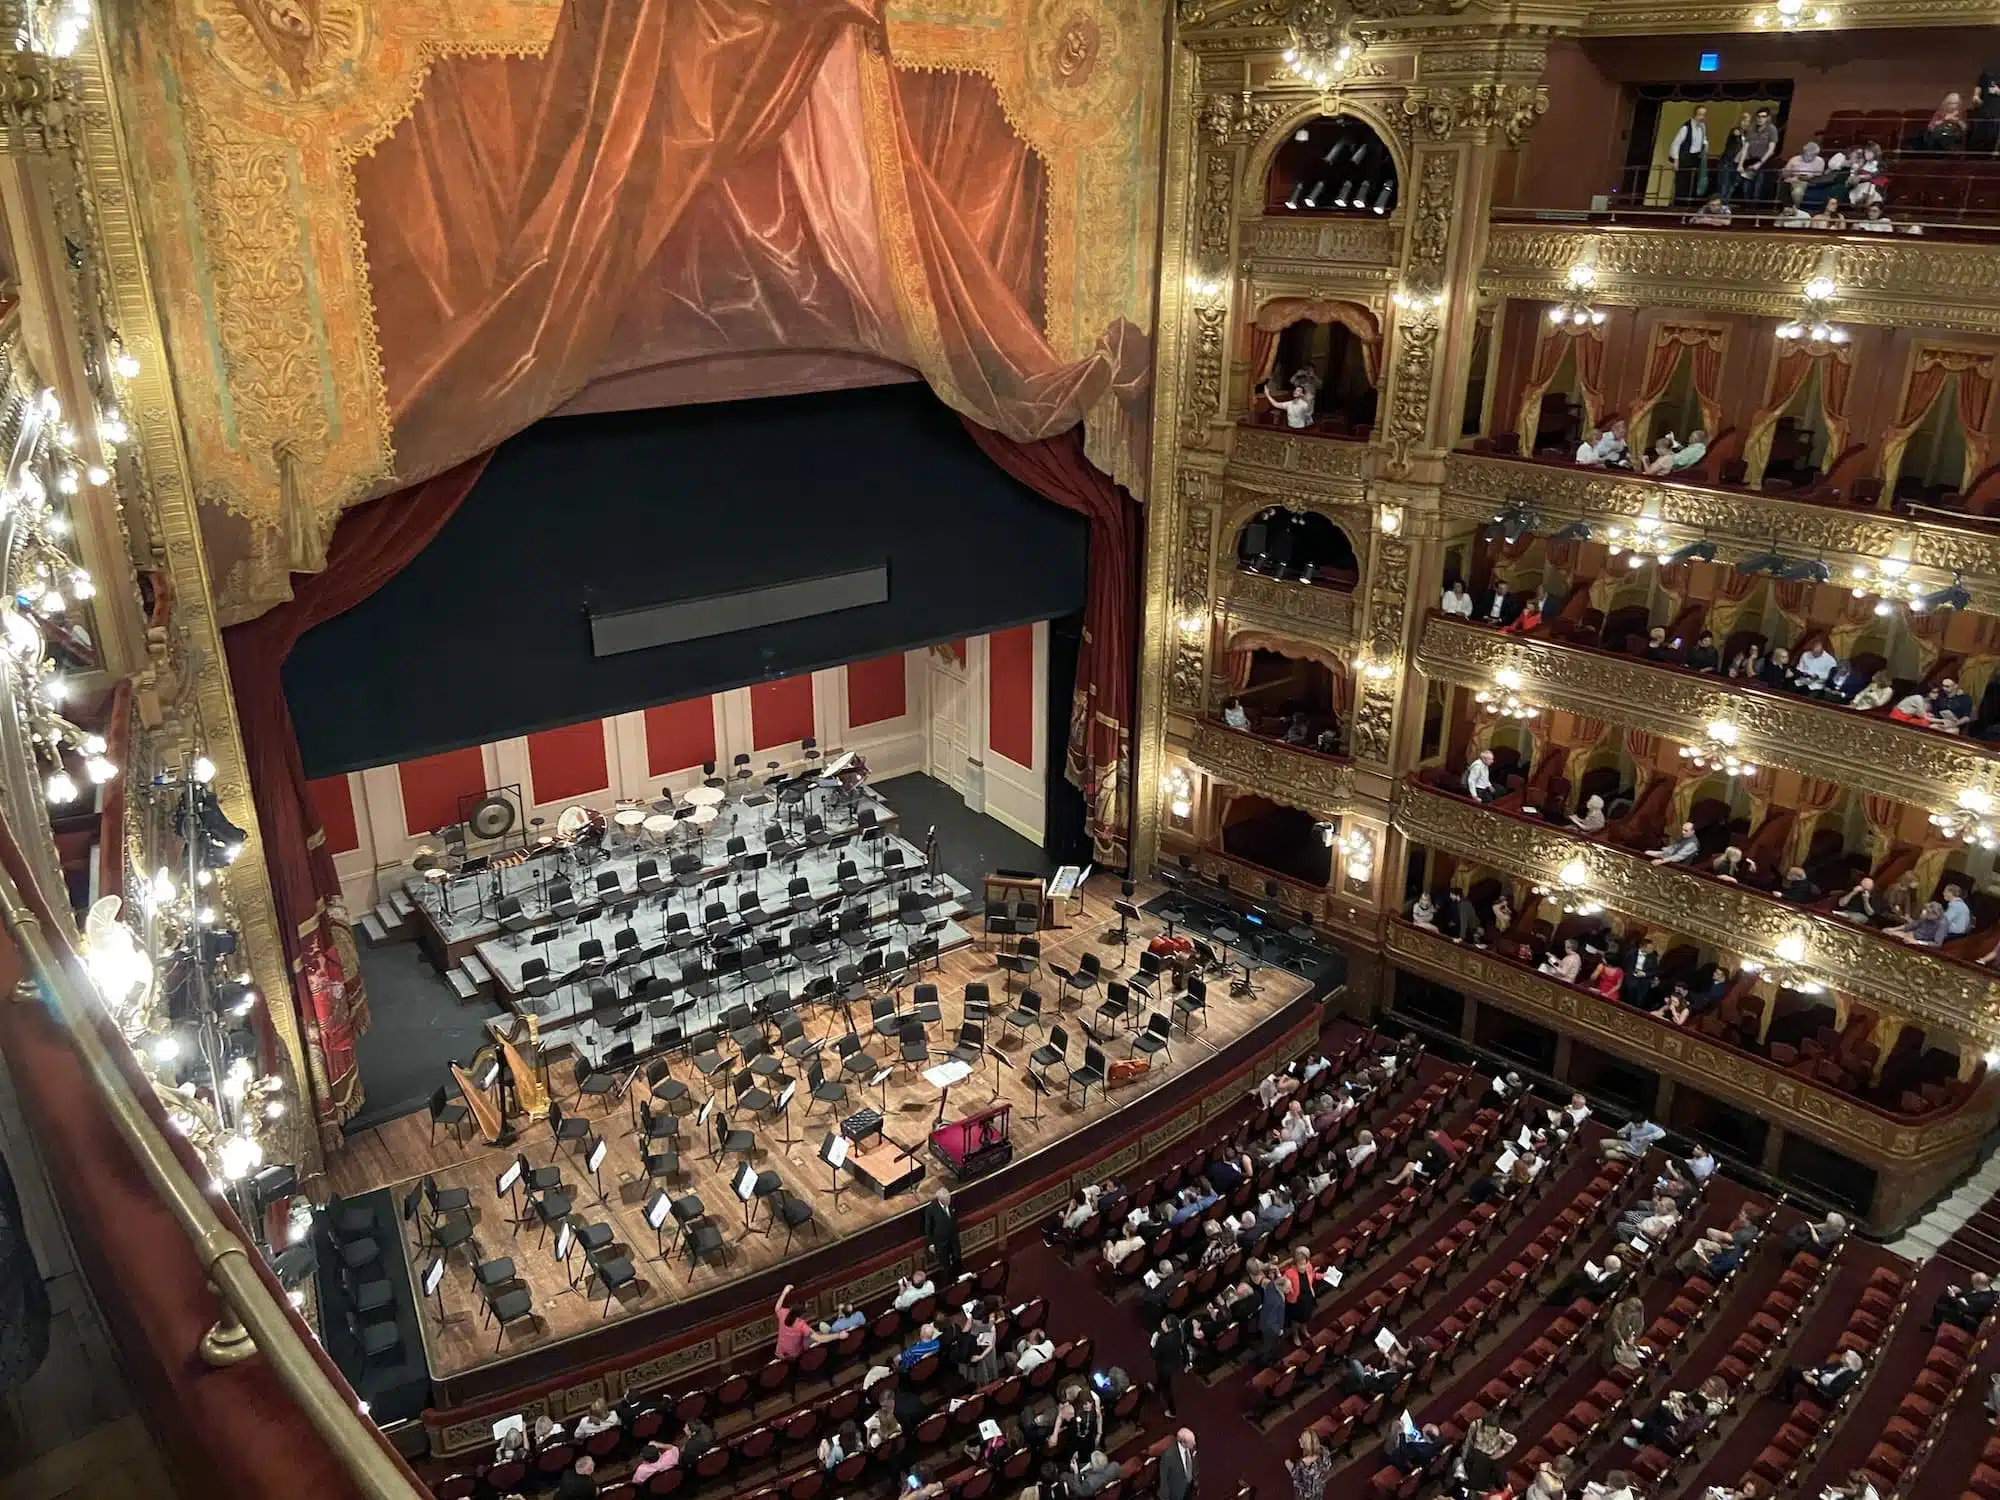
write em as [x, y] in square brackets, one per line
[396, 1154]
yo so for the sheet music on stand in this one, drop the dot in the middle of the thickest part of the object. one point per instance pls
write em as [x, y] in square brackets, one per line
[833, 1150]
[945, 1074]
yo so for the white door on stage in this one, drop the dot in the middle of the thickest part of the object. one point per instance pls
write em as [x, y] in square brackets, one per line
[949, 743]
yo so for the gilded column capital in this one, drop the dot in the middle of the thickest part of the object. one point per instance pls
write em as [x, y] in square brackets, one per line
[37, 95]
[1479, 112]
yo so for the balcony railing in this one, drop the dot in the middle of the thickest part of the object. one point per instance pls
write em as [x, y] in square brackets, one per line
[1289, 604]
[1961, 997]
[1741, 523]
[1867, 750]
[1737, 1077]
[1301, 778]
[1322, 454]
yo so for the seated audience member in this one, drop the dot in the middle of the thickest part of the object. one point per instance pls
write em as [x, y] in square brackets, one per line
[1798, 173]
[1864, 176]
[512, 1444]
[1964, 1306]
[1632, 1140]
[1957, 915]
[1747, 663]
[1845, 683]
[657, 1459]
[1609, 980]
[1815, 668]
[1830, 216]
[1617, 1485]
[1580, 1284]
[1946, 131]
[1096, 1474]
[1881, 688]
[1551, 1481]
[1409, 1452]
[1297, 405]
[1564, 966]
[1680, 1417]
[1591, 820]
[1698, 1167]
[1926, 931]
[1857, 902]
[1816, 1239]
[1642, 966]
[910, 1293]
[1775, 672]
[1686, 455]
[1362, 1151]
[1662, 461]
[1674, 1011]
[1423, 913]
[1825, 1383]
[1797, 888]
[1233, 714]
[927, 1342]
[600, 1418]
[1570, 1117]
[1874, 220]
[1677, 851]
[1119, 1249]
[1707, 992]
[696, 1439]
[1299, 730]
[1702, 655]
[1713, 1255]
[1531, 614]
[1497, 606]
[1652, 1221]
[1457, 601]
[1607, 450]
[1911, 710]
[1479, 777]
[1730, 865]
[1657, 648]
[1625, 1347]
[1950, 707]
[1713, 213]
[1227, 1173]
[1035, 1349]
[578, 1481]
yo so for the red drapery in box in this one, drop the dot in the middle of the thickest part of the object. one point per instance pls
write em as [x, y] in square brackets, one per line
[1835, 363]
[1100, 723]
[1707, 343]
[370, 546]
[1557, 340]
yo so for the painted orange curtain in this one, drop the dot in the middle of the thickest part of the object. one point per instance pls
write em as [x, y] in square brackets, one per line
[1705, 344]
[1794, 367]
[1553, 343]
[1931, 366]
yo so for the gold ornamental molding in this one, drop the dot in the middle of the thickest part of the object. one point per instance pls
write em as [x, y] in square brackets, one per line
[1797, 1105]
[1267, 458]
[1299, 778]
[1836, 744]
[1359, 252]
[1289, 607]
[1913, 981]
[1740, 523]
[1637, 18]
[1894, 279]
[1304, 900]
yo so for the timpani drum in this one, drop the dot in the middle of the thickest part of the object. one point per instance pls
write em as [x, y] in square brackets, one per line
[709, 797]
[658, 826]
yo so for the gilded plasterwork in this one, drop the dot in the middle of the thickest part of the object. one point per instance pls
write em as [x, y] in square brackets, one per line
[1919, 283]
[1640, 18]
[1339, 464]
[1912, 765]
[1864, 964]
[1296, 777]
[1348, 248]
[1288, 606]
[1790, 1101]
[1738, 522]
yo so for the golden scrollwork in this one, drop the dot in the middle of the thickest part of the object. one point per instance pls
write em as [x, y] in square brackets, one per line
[1204, 385]
[35, 102]
[1215, 217]
[1639, 18]
[1313, 783]
[1187, 683]
[1335, 462]
[1738, 522]
[1764, 1089]
[1912, 765]
[1300, 607]
[1912, 282]
[1477, 111]
[1335, 247]
[1912, 980]
[1235, 119]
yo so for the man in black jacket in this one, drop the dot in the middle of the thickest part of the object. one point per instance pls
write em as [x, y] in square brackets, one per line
[1965, 1306]
[1825, 1383]
[1496, 606]
[939, 1222]
[1170, 1360]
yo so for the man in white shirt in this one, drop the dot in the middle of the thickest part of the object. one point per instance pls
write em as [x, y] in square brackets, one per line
[913, 1293]
[1457, 601]
[1570, 1116]
[1298, 1126]
[1689, 152]
[1815, 668]
[1297, 407]
[1233, 714]
[1115, 1251]
[1608, 449]
[1479, 777]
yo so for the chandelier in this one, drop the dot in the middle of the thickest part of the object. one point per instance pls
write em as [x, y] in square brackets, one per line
[1319, 44]
[1811, 328]
[1504, 697]
[1717, 751]
[1569, 892]
[1575, 311]
[1971, 821]
[1790, 15]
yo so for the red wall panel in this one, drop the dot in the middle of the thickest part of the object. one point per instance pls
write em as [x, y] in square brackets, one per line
[568, 762]
[433, 785]
[1010, 694]
[875, 691]
[680, 735]
[781, 713]
[333, 804]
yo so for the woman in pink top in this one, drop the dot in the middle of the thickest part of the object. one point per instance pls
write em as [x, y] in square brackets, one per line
[659, 1458]
[795, 1334]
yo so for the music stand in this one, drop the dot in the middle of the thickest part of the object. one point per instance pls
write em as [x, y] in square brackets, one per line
[1038, 1088]
[504, 1187]
[1000, 1060]
[744, 1185]
[1017, 965]
[881, 1078]
[565, 1242]
[785, 1111]
[1127, 915]
[833, 1151]
[594, 1151]
[433, 1286]
[659, 1208]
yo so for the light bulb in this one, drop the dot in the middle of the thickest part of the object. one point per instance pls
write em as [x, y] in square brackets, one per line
[203, 769]
[97, 474]
[66, 482]
[60, 788]
[125, 364]
[99, 770]
[1820, 288]
[166, 1049]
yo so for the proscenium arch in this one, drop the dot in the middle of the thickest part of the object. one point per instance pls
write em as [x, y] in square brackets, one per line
[1372, 113]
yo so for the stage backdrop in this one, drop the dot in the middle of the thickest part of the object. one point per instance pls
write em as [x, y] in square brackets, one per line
[389, 236]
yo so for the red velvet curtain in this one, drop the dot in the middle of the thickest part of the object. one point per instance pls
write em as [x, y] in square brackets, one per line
[1101, 707]
[370, 546]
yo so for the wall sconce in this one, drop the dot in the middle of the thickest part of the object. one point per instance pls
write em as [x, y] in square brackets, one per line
[1206, 287]
[1389, 519]
[1193, 621]
[1180, 793]
[1575, 874]
[1792, 14]
[1375, 663]
[1417, 301]
[1971, 821]
[1357, 850]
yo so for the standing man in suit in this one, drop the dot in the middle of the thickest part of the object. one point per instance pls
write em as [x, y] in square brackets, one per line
[940, 1225]
[1177, 1468]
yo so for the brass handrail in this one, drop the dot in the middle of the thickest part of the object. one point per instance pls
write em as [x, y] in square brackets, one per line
[253, 1321]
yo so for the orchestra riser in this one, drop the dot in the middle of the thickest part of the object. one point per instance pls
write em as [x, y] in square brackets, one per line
[403, 1150]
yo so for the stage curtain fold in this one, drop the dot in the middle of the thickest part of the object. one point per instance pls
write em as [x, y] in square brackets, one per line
[1280, 313]
[1836, 373]
[1551, 345]
[1794, 367]
[370, 546]
[1263, 350]
[1101, 706]
[1243, 642]
[1704, 346]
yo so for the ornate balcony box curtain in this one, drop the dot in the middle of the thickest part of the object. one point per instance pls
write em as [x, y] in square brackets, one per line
[1552, 343]
[1706, 344]
[1100, 723]
[1280, 313]
[370, 546]
[1794, 367]
[1930, 367]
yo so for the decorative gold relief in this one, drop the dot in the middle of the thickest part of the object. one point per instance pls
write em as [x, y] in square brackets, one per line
[35, 102]
[1187, 684]
[1346, 243]
[1204, 393]
[1738, 522]
[1478, 112]
[1297, 777]
[1299, 607]
[1234, 119]
[1912, 765]
[1639, 18]
[1214, 217]
[1918, 283]
[1374, 719]
[1313, 457]
[1794, 1103]
[1861, 963]
[1417, 324]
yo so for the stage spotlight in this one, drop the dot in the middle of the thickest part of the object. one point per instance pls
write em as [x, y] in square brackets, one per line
[1761, 562]
[1953, 596]
[199, 820]
[1512, 523]
[1382, 198]
[1703, 551]
[1807, 570]
[1576, 531]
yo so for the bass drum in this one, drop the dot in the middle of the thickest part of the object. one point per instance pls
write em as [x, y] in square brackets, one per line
[580, 825]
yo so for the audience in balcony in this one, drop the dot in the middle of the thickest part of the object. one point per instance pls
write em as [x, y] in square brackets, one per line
[1678, 851]
[1497, 606]
[1233, 714]
[1609, 449]
[1926, 930]
[1479, 777]
[1689, 153]
[1670, 455]
[1592, 819]
[1964, 1307]
[1609, 980]
[1713, 214]
[1456, 601]
[1299, 402]
[1566, 965]
[577, 1482]
[1551, 1481]
[1947, 129]
[1826, 1383]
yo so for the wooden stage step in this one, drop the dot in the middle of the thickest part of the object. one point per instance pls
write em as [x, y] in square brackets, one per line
[373, 928]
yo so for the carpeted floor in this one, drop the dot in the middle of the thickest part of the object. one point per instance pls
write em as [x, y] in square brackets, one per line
[971, 845]
[416, 1029]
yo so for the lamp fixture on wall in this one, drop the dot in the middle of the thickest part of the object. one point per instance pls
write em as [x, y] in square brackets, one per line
[1791, 15]
[1375, 664]
[1319, 44]
[1971, 821]
[1357, 851]
[1717, 751]
[1504, 697]
[1569, 891]
[1389, 519]
[1180, 792]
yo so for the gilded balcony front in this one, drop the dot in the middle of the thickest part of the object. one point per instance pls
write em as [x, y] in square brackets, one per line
[1895, 280]
[1741, 523]
[1961, 998]
[1287, 605]
[1917, 766]
[1750, 1083]
[1301, 778]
